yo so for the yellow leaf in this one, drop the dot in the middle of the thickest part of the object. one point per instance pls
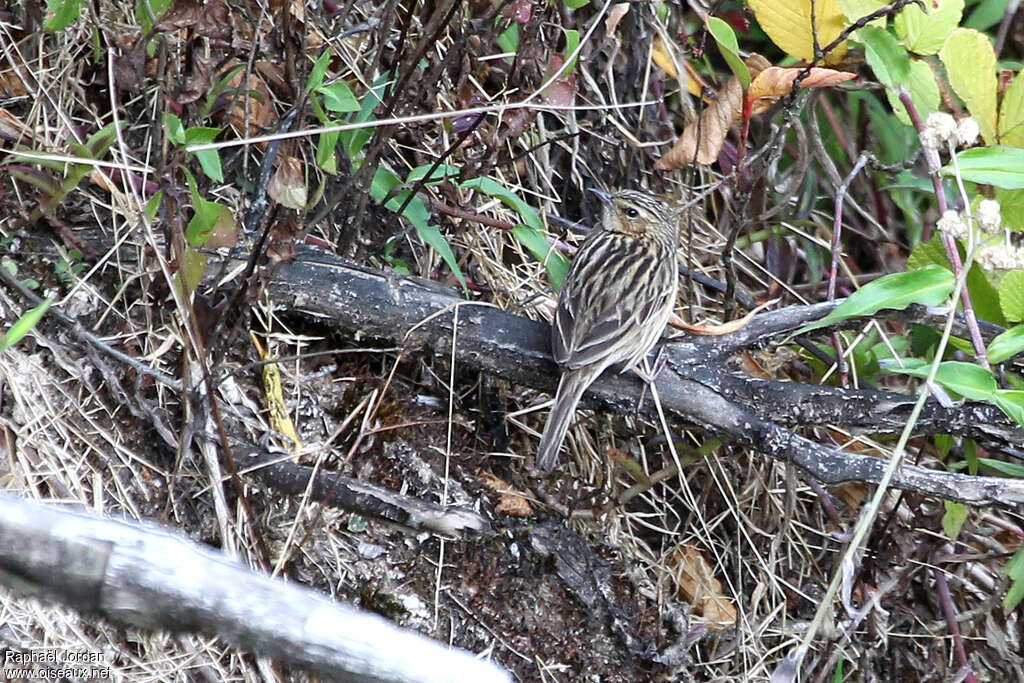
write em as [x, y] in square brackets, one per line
[277, 408]
[1011, 114]
[971, 65]
[788, 24]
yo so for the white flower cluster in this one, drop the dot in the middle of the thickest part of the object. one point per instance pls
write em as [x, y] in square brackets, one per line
[953, 224]
[1001, 257]
[989, 216]
[941, 128]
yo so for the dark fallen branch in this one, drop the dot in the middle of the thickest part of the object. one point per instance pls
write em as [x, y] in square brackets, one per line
[360, 497]
[694, 385]
[142, 575]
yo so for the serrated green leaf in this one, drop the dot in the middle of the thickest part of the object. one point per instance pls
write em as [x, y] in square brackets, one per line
[853, 10]
[1011, 295]
[1011, 204]
[727, 45]
[1011, 113]
[1007, 344]
[886, 57]
[999, 166]
[970, 65]
[63, 13]
[954, 518]
[24, 324]
[338, 97]
[924, 92]
[930, 285]
[1011, 402]
[925, 33]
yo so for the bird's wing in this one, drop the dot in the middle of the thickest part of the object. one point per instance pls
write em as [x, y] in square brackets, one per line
[600, 314]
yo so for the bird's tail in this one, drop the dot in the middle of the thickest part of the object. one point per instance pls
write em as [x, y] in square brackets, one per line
[570, 389]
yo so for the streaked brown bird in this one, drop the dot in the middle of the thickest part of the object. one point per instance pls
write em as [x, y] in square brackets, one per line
[614, 304]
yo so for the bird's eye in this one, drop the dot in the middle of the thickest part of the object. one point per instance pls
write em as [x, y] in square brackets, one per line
[632, 213]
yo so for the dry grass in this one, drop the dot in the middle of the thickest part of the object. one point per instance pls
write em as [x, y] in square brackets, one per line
[89, 436]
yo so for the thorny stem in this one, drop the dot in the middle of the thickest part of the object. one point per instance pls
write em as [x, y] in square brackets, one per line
[948, 242]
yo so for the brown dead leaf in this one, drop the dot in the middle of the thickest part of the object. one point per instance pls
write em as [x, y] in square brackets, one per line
[11, 84]
[510, 501]
[210, 19]
[260, 105]
[13, 130]
[713, 124]
[287, 187]
[776, 81]
[697, 585]
[614, 17]
[563, 90]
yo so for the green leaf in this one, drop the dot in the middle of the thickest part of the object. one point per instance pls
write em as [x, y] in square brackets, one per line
[954, 518]
[204, 217]
[924, 92]
[508, 41]
[1011, 402]
[855, 9]
[355, 140]
[886, 57]
[999, 166]
[531, 233]
[925, 33]
[64, 12]
[441, 173]
[24, 325]
[1011, 113]
[175, 129]
[1015, 570]
[1006, 345]
[148, 12]
[572, 41]
[316, 74]
[729, 48]
[988, 14]
[966, 379]
[338, 97]
[930, 285]
[1011, 203]
[1011, 295]
[971, 456]
[1006, 469]
[325, 156]
[984, 295]
[575, 4]
[493, 188]
[209, 159]
[153, 205]
[970, 65]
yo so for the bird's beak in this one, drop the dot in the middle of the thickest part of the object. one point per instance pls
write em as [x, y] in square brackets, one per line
[605, 197]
